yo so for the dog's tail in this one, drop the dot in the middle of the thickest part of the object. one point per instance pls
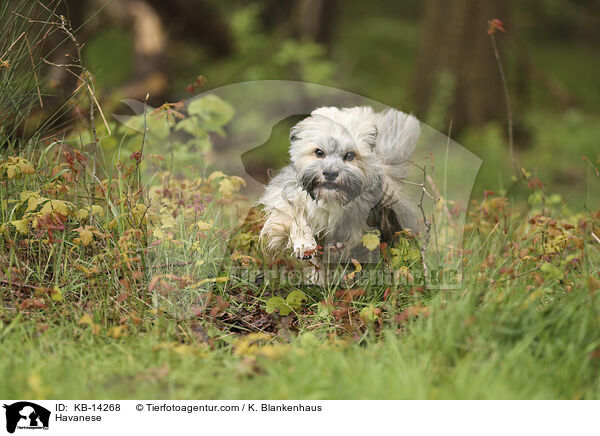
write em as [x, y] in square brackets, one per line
[397, 135]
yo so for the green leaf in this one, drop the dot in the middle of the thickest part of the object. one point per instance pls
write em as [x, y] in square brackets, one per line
[155, 123]
[56, 294]
[22, 226]
[370, 313]
[296, 299]
[213, 111]
[202, 144]
[157, 126]
[371, 240]
[279, 304]
[191, 125]
[293, 301]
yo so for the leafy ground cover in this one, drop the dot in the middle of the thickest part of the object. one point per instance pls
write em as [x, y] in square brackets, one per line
[121, 274]
[114, 289]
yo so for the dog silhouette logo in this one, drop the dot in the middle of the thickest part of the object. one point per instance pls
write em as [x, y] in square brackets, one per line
[26, 415]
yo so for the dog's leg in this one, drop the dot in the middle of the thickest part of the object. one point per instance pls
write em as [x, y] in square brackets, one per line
[283, 230]
[276, 231]
[303, 242]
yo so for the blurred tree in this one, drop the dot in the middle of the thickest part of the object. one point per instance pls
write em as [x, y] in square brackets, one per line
[196, 21]
[315, 19]
[454, 43]
[311, 19]
[150, 45]
[91, 18]
[153, 25]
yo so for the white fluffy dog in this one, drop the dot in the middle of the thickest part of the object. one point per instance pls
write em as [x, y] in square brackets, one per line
[344, 179]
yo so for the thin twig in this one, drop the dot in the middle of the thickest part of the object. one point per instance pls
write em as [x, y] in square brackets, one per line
[11, 46]
[511, 148]
[37, 83]
[138, 161]
[438, 196]
[427, 224]
[46, 7]
[31, 20]
[420, 185]
[99, 109]
[54, 64]
[86, 77]
[596, 171]
[18, 285]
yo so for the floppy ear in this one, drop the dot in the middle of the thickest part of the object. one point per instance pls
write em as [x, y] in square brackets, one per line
[294, 134]
[371, 138]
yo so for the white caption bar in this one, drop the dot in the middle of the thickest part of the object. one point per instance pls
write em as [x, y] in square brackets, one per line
[290, 417]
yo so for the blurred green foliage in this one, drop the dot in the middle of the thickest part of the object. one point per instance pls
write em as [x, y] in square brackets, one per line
[373, 50]
[109, 56]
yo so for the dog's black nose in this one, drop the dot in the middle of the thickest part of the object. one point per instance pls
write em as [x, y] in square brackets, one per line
[330, 175]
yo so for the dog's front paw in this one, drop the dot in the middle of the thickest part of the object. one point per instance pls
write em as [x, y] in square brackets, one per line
[305, 249]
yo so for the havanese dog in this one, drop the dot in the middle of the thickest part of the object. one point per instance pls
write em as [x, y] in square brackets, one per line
[345, 178]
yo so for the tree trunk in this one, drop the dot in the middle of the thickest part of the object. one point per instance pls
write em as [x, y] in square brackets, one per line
[454, 40]
[311, 19]
[315, 19]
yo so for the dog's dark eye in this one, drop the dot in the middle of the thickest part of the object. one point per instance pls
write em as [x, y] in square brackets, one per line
[349, 156]
[319, 153]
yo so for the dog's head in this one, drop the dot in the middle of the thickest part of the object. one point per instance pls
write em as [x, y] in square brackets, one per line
[332, 152]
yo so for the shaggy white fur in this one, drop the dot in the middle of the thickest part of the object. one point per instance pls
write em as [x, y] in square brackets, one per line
[346, 167]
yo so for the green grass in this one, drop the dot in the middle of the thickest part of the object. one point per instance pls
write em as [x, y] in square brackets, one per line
[89, 291]
[532, 336]
[463, 350]
[93, 319]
